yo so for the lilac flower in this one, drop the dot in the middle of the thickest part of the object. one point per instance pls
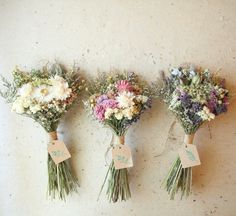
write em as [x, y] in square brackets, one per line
[212, 102]
[102, 98]
[196, 107]
[109, 103]
[185, 99]
[196, 119]
[221, 108]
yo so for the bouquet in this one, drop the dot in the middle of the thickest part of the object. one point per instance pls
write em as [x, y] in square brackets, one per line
[194, 96]
[117, 101]
[45, 96]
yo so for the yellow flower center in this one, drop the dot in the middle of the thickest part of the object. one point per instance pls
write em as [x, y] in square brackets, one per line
[44, 92]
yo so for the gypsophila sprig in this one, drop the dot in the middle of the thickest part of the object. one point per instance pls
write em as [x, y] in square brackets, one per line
[46, 95]
[117, 100]
[195, 96]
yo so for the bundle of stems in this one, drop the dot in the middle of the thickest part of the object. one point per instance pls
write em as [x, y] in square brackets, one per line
[118, 184]
[179, 178]
[61, 181]
[117, 179]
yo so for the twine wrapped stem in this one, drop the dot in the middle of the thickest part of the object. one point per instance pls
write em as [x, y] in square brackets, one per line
[52, 136]
[188, 138]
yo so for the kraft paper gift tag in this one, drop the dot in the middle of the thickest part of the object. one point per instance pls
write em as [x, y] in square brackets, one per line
[189, 156]
[122, 157]
[58, 151]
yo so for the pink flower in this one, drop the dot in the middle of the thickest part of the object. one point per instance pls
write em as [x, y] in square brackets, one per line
[99, 112]
[124, 85]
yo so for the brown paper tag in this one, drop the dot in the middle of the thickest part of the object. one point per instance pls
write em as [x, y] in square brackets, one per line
[58, 151]
[122, 157]
[189, 156]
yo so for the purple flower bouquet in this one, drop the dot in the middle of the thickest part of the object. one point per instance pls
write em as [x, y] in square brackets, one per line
[194, 96]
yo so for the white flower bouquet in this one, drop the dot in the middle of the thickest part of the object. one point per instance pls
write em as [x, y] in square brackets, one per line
[45, 96]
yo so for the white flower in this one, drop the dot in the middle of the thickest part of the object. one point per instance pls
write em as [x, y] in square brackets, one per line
[205, 114]
[142, 98]
[119, 115]
[19, 105]
[125, 99]
[192, 74]
[25, 90]
[108, 113]
[60, 88]
[175, 102]
[176, 72]
[42, 93]
[35, 108]
[128, 113]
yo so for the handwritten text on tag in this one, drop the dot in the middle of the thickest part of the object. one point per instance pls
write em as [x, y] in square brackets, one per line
[189, 156]
[122, 157]
[58, 151]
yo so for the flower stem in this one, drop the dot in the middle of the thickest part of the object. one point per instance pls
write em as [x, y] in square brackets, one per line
[61, 181]
[118, 184]
[177, 179]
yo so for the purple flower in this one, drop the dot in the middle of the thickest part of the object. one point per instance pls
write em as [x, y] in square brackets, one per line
[185, 99]
[214, 106]
[221, 109]
[103, 102]
[196, 119]
[109, 103]
[213, 102]
[102, 98]
[196, 107]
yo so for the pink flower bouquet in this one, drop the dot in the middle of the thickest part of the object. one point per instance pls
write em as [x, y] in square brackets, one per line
[117, 101]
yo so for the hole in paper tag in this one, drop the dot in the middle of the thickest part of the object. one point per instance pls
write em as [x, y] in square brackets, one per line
[122, 157]
[189, 156]
[58, 151]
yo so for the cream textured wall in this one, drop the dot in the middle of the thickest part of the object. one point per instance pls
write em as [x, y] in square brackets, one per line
[143, 36]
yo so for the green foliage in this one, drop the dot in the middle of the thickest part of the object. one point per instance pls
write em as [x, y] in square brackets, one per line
[10, 92]
[104, 80]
